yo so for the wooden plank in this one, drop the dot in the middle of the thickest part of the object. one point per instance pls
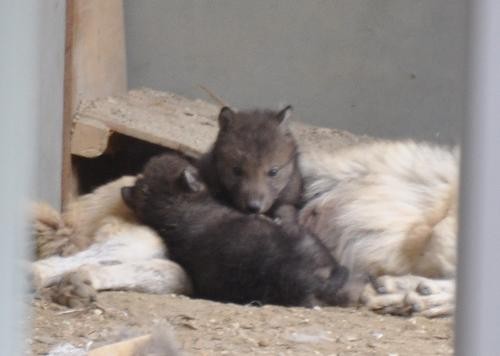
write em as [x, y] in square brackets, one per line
[98, 60]
[90, 138]
[122, 348]
[95, 65]
[68, 186]
[158, 117]
[182, 124]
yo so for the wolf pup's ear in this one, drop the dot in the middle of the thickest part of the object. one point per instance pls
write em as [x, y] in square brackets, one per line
[191, 180]
[226, 115]
[284, 115]
[127, 196]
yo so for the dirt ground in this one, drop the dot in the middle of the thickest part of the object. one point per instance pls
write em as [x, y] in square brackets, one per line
[207, 328]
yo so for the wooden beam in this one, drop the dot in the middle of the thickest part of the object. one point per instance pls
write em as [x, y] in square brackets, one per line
[95, 66]
[122, 348]
[67, 182]
[90, 138]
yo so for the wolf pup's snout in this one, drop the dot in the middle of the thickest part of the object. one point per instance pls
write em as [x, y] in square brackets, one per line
[254, 206]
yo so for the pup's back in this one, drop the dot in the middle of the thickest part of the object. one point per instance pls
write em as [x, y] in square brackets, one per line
[252, 165]
[231, 256]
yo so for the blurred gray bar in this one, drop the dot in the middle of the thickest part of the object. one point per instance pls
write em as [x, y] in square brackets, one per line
[478, 295]
[49, 151]
[19, 107]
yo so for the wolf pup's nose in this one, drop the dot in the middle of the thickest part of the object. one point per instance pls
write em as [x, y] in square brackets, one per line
[254, 206]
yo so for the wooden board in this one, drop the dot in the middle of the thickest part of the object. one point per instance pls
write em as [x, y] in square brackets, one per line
[97, 43]
[95, 66]
[122, 348]
[90, 138]
[183, 124]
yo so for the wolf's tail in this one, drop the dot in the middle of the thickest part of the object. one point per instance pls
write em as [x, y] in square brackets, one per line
[50, 233]
[421, 232]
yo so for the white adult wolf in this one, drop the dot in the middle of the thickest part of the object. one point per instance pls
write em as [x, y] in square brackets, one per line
[387, 210]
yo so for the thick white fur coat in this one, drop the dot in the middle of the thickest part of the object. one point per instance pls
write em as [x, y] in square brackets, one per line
[384, 208]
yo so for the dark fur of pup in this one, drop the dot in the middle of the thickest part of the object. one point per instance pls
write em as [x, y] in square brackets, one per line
[253, 162]
[231, 256]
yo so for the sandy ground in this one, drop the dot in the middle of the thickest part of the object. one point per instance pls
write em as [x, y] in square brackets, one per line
[207, 328]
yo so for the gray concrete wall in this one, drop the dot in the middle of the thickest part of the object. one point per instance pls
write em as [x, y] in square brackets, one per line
[391, 68]
[19, 108]
[50, 118]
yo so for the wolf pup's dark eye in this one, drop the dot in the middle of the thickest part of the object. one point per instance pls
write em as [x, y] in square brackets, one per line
[237, 171]
[273, 172]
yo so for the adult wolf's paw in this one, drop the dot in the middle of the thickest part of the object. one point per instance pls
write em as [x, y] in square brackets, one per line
[410, 295]
[75, 290]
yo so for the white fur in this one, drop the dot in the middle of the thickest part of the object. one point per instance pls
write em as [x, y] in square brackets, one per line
[384, 208]
[98, 245]
[410, 294]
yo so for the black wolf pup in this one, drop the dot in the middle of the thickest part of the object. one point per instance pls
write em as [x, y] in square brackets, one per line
[231, 256]
[253, 162]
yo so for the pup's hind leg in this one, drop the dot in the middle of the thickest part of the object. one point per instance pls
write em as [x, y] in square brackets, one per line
[155, 276]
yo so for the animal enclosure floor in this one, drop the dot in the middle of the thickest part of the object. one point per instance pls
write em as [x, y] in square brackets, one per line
[208, 328]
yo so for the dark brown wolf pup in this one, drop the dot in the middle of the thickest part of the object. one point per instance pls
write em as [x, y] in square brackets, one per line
[229, 255]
